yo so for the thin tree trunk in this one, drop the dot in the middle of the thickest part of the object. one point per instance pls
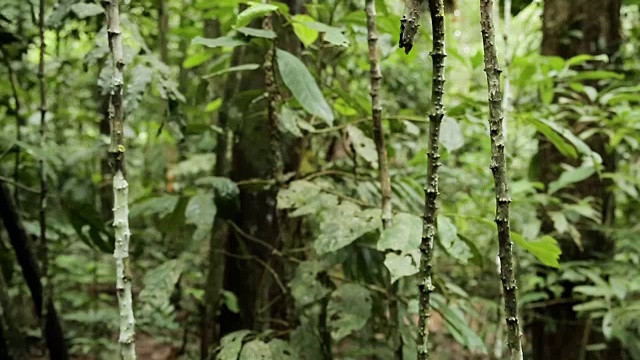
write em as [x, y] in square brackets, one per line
[22, 247]
[20, 121]
[120, 187]
[12, 344]
[163, 30]
[425, 286]
[499, 170]
[383, 162]
[44, 251]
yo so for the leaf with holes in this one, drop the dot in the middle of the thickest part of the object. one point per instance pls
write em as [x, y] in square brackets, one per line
[363, 145]
[231, 344]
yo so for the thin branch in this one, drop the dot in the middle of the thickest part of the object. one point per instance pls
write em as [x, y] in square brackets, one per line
[16, 184]
[120, 186]
[425, 285]
[43, 246]
[383, 162]
[499, 170]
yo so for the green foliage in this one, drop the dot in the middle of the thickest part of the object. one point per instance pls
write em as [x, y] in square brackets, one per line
[348, 310]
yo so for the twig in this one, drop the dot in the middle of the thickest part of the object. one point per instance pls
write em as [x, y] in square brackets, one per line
[17, 184]
[499, 170]
[425, 286]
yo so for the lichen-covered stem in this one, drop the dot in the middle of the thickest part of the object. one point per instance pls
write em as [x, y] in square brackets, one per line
[383, 162]
[272, 106]
[120, 186]
[499, 170]
[436, 114]
[123, 272]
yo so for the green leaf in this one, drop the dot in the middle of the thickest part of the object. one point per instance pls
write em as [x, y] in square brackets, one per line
[197, 59]
[404, 234]
[281, 350]
[306, 341]
[305, 286]
[162, 205]
[243, 67]
[297, 194]
[348, 310]
[159, 284]
[363, 145]
[580, 145]
[230, 301]
[253, 12]
[451, 134]
[401, 265]
[200, 212]
[556, 139]
[289, 122]
[596, 75]
[455, 319]
[571, 176]
[343, 225]
[85, 10]
[302, 85]
[545, 249]
[223, 41]
[306, 34]
[332, 35]
[256, 350]
[213, 105]
[448, 237]
[259, 33]
[231, 344]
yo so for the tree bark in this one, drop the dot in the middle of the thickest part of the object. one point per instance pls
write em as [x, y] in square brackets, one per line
[23, 249]
[557, 331]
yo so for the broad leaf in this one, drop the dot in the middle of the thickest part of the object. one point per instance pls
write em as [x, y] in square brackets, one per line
[571, 176]
[348, 310]
[305, 286]
[451, 134]
[256, 350]
[282, 350]
[363, 145]
[303, 86]
[448, 237]
[200, 212]
[231, 344]
[403, 235]
[85, 10]
[545, 249]
[343, 225]
[306, 34]
[253, 12]
[197, 59]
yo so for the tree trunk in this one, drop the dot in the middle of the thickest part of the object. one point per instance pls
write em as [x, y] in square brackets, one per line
[557, 331]
[252, 159]
[23, 249]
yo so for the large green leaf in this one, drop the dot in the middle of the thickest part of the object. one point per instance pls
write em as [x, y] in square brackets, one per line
[85, 10]
[545, 249]
[571, 176]
[451, 134]
[260, 33]
[231, 344]
[303, 86]
[343, 225]
[306, 34]
[282, 350]
[403, 235]
[448, 238]
[256, 350]
[305, 286]
[200, 212]
[348, 310]
[253, 12]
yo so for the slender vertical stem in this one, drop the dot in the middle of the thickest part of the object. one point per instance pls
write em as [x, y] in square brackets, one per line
[506, 100]
[383, 162]
[43, 246]
[499, 170]
[19, 122]
[436, 114]
[120, 186]
[272, 106]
